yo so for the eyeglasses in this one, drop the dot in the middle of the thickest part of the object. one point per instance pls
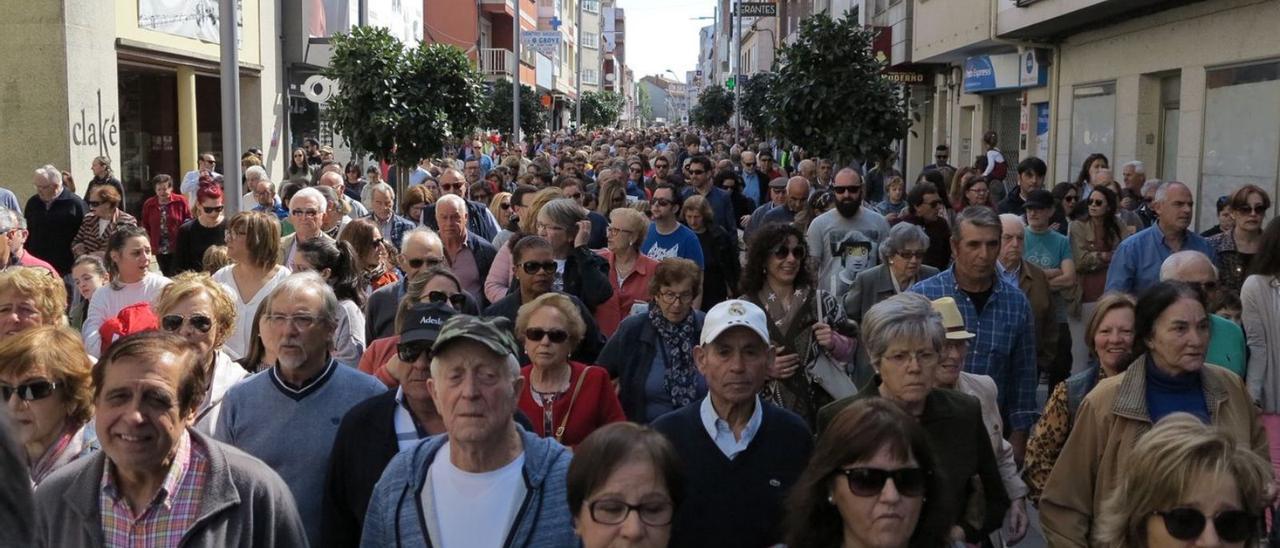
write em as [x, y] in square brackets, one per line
[212, 209]
[92, 203]
[304, 212]
[869, 482]
[30, 391]
[409, 352]
[697, 171]
[901, 358]
[908, 255]
[1099, 203]
[1256, 210]
[671, 297]
[660, 166]
[430, 262]
[615, 230]
[614, 512]
[781, 252]
[556, 336]
[1230, 525]
[662, 202]
[505, 205]
[847, 188]
[532, 267]
[299, 322]
[456, 300]
[1205, 287]
[451, 188]
[173, 322]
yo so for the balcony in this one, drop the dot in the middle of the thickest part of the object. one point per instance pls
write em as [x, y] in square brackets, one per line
[497, 63]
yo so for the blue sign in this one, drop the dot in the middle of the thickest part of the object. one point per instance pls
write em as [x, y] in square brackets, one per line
[1007, 71]
[979, 75]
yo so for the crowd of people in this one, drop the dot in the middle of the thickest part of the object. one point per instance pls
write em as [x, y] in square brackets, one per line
[658, 337]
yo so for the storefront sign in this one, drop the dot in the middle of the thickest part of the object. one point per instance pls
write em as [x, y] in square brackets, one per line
[988, 73]
[1042, 130]
[546, 42]
[910, 74]
[102, 131]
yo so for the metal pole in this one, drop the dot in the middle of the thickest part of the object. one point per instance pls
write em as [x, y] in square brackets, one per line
[737, 77]
[577, 116]
[515, 77]
[230, 75]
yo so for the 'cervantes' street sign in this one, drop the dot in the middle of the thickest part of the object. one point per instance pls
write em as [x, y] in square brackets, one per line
[758, 9]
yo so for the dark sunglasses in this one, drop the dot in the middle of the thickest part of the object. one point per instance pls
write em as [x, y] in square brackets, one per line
[456, 300]
[450, 188]
[409, 352]
[536, 334]
[697, 171]
[531, 267]
[31, 391]
[173, 322]
[1188, 524]
[660, 166]
[93, 204]
[504, 205]
[662, 202]
[781, 252]
[1099, 203]
[1068, 198]
[214, 209]
[869, 482]
[430, 262]
[911, 254]
[1258, 209]
[846, 188]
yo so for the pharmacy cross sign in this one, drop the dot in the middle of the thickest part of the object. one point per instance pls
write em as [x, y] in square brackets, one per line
[757, 9]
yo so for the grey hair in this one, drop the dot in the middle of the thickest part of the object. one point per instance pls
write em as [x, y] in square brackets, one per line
[300, 282]
[512, 369]
[1137, 165]
[564, 212]
[976, 215]
[255, 173]
[454, 200]
[1162, 191]
[312, 193]
[12, 218]
[902, 317]
[331, 197]
[1151, 185]
[1175, 262]
[901, 236]
[1009, 217]
[426, 232]
[50, 174]
[383, 188]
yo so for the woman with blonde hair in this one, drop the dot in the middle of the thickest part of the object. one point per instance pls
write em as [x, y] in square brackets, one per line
[30, 297]
[196, 308]
[498, 283]
[1186, 483]
[500, 207]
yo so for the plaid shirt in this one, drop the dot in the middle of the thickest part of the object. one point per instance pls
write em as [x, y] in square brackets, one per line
[172, 511]
[1005, 348]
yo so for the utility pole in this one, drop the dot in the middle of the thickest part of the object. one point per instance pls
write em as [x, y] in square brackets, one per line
[230, 76]
[737, 71]
[515, 78]
[577, 116]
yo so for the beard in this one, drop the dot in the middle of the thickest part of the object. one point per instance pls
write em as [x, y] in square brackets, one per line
[848, 208]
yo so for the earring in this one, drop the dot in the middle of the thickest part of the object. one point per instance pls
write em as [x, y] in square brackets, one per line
[831, 499]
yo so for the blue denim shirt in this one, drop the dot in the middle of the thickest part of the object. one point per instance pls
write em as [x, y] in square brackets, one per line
[1135, 265]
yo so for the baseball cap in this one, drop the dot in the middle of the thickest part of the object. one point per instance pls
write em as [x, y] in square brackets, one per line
[952, 320]
[734, 313]
[494, 333]
[1039, 199]
[423, 322]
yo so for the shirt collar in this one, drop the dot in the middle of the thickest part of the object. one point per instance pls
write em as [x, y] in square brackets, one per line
[710, 419]
[177, 469]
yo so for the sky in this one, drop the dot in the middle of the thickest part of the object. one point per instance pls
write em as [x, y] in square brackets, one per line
[662, 34]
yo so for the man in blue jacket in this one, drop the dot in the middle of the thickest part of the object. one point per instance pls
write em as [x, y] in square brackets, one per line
[487, 482]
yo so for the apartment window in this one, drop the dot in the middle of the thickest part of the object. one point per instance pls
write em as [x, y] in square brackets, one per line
[1093, 122]
[591, 6]
[590, 40]
[1241, 137]
[589, 77]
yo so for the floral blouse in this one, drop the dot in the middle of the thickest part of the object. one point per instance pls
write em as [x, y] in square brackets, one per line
[1233, 266]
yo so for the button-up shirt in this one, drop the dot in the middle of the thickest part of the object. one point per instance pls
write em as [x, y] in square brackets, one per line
[408, 431]
[1005, 346]
[171, 512]
[722, 434]
[1135, 265]
[467, 270]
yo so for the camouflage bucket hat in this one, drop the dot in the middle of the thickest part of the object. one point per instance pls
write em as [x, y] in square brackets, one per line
[494, 333]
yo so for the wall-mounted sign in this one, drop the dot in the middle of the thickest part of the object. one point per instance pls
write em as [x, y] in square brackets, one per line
[988, 73]
[757, 9]
[546, 42]
[101, 131]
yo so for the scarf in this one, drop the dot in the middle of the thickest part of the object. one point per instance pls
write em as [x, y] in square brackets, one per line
[678, 339]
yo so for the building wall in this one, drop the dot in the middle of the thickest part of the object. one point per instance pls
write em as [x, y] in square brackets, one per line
[945, 26]
[591, 53]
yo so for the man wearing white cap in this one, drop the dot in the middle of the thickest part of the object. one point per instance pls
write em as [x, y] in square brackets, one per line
[736, 483]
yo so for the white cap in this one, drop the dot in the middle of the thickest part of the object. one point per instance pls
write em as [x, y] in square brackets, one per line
[733, 313]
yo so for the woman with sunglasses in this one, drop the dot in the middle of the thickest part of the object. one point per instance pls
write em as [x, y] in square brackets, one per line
[196, 308]
[871, 482]
[435, 285]
[1187, 484]
[500, 207]
[803, 320]
[299, 168]
[1237, 247]
[497, 284]
[253, 244]
[102, 220]
[624, 486]
[336, 263]
[1171, 334]
[1094, 238]
[207, 229]
[904, 337]
[46, 385]
[128, 261]
[370, 253]
[566, 400]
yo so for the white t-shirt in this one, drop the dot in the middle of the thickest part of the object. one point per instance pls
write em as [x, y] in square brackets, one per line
[473, 509]
[237, 345]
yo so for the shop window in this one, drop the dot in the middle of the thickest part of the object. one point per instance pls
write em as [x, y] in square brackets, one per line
[1093, 123]
[1241, 133]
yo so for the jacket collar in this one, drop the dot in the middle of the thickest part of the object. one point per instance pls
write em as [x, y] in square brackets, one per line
[1131, 396]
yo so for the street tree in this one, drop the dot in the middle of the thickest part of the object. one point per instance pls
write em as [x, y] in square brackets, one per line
[829, 95]
[714, 108]
[497, 113]
[754, 105]
[644, 110]
[600, 109]
[401, 104]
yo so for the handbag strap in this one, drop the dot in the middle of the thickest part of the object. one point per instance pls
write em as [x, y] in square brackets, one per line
[564, 421]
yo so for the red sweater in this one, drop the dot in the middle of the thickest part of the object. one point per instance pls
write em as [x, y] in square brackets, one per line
[596, 406]
[178, 213]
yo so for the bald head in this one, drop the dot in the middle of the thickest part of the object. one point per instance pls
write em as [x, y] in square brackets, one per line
[331, 180]
[847, 176]
[807, 168]
[748, 160]
[797, 193]
[1188, 266]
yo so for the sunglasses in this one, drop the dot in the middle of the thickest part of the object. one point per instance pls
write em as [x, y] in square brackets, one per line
[1099, 203]
[536, 334]
[1188, 524]
[911, 254]
[505, 205]
[1068, 198]
[456, 300]
[869, 482]
[847, 188]
[662, 202]
[697, 171]
[173, 322]
[213, 209]
[532, 267]
[451, 188]
[31, 391]
[409, 352]
[1256, 210]
[781, 252]
[93, 203]
[660, 166]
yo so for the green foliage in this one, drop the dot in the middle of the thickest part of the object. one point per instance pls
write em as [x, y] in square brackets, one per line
[644, 110]
[497, 114]
[714, 108]
[755, 106]
[829, 96]
[401, 104]
[600, 109]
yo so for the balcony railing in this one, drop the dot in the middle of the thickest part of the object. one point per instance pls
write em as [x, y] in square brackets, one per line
[496, 62]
